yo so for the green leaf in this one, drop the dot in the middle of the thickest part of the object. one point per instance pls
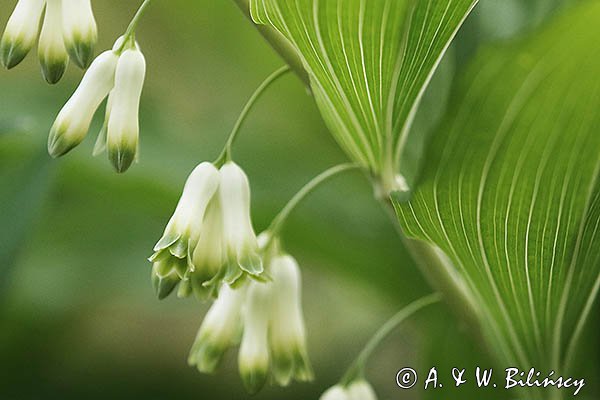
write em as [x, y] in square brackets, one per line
[369, 63]
[511, 191]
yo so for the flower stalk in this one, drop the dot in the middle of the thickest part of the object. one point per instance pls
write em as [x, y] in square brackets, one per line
[356, 370]
[281, 218]
[226, 153]
[129, 35]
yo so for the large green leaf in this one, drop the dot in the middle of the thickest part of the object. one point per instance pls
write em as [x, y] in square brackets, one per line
[511, 191]
[369, 63]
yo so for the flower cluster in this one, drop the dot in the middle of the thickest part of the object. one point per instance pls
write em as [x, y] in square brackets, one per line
[265, 318]
[209, 239]
[357, 390]
[69, 29]
[119, 75]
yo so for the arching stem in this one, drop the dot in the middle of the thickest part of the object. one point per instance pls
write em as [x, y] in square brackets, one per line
[283, 215]
[356, 370]
[129, 35]
[226, 153]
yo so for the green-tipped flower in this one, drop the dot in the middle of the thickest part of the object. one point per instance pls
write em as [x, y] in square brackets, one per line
[274, 337]
[73, 121]
[80, 31]
[357, 390]
[21, 32]
[220, 330]
[123, 116]
[51, 48]
[254, 356]
[240, 244]
[227, 246]
[287, 332]
[208, 257]
[167, 272]
[184, 227]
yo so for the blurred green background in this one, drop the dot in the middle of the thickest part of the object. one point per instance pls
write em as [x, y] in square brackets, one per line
[78, 316]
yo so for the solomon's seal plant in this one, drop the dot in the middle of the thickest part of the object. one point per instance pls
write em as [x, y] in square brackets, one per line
[501, 212]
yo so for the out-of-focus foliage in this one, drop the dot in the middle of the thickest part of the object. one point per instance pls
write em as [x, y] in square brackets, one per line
[78, 317]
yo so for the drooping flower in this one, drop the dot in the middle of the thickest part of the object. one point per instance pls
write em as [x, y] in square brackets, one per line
[184, 227]
[240, 243]
[220, 330]
[226, 246]
[273, 339]
[123, 122]
[119, 74]
[80, 31]
[254, 357]
[357, 390]
[74, 119]
[51, 48]
[68, 29]
[21, 32]
[288, 334]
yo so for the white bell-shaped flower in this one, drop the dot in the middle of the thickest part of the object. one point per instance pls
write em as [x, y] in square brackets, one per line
[80, 31]
[287, 331]
[253, 358]
[361, 390]
[73, 121]
[21, 32]
[220, 330]
[208, 257]
[185, 224]
[183, 229]
[100, 145]
[336, 392]
[123, 116]
[51, 48]
[357, 390]
[240, 244]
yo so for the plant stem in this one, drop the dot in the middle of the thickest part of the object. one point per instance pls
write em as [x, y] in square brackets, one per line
[356, 370]
[279, 43]
[129, 35]
[280, 219]
[130, 32]
[226, 153]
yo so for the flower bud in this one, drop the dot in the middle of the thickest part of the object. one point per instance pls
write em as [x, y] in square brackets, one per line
[361, 390]
[336, 392]
[73, 121]
[21, 32]
[51, 48]
[253, 357]
[80, 31]
[123, 115]
[186, 222]
[357, 390]
[220, 330]
[288, 336]
[184, 227]
[240, 244]
[100, 145]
